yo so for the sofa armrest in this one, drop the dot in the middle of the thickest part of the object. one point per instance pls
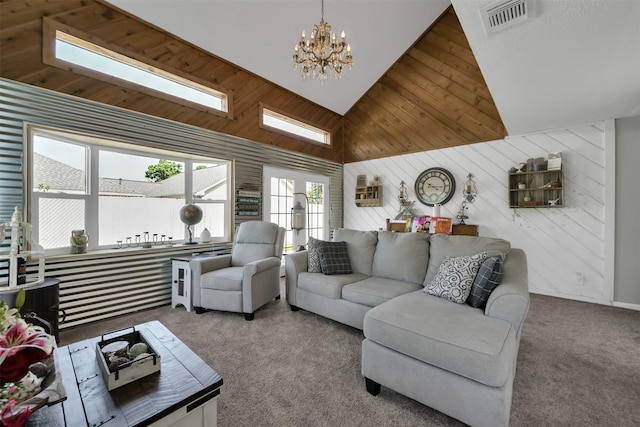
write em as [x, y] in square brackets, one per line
[294, 264]
[202, 265]
[510, 300]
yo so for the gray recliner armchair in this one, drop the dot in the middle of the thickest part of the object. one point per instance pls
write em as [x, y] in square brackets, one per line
[244, 280]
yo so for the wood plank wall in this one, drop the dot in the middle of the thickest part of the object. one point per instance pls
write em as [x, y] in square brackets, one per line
[21, 45]
[433, 97]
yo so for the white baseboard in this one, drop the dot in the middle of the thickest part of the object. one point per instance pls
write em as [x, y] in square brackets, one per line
[587, 299]
[626, 305]
[571, 297]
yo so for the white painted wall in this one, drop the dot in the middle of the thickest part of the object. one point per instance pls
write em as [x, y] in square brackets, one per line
[627, 244]
[559, 242]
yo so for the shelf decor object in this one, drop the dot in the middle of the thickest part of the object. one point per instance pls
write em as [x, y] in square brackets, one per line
[190, 215]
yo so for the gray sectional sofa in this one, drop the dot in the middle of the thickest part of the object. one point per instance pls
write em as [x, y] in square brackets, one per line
[450, 356]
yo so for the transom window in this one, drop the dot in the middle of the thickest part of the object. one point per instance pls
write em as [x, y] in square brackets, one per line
[106, 64]
[277, 121]
[122, 195]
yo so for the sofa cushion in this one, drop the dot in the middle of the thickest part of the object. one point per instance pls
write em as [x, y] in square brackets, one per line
[455, 277]
[334, 258]
[455, 337]
[401, 256]
[313, 257]
[226, 279]
[328, 286]
[489, 276]
[442, 245]
[361, 245]
[376, 290]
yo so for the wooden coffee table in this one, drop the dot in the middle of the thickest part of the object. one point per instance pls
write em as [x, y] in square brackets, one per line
[183, 393]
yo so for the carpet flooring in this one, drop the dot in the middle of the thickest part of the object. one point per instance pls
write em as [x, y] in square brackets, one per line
[578, 365]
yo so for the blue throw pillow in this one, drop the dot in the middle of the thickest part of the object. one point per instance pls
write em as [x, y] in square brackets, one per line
[488, 278]
[334, 258]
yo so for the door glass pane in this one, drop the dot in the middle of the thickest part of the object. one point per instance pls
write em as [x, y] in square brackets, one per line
[315, 195]
[281, 204]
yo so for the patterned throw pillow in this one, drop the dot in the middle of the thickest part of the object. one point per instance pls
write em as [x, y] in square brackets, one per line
[455, 276]
[489, 276]
[313, 258]
[334, 258]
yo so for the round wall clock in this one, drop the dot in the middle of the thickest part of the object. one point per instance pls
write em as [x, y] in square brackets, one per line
[435, 186]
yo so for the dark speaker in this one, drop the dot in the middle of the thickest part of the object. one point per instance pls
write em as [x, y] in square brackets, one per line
[41, 305]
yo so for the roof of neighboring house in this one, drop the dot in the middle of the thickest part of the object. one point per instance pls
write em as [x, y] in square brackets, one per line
[57, 176]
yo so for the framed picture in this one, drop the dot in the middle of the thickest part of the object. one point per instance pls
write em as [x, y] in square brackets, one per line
[361, 181]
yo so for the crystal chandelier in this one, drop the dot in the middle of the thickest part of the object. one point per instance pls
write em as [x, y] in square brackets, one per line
[322, 51]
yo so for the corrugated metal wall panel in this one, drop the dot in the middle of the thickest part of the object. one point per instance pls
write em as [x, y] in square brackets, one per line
[97, 286]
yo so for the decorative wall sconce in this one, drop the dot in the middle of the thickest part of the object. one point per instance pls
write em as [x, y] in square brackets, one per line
[402, 192]
[406, 208]
[300, 215]
[469, 192]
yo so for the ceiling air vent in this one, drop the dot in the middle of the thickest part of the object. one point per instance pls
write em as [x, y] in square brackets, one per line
[504, 14]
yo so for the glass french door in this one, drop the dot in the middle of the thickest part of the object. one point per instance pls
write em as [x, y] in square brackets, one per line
[283, 189]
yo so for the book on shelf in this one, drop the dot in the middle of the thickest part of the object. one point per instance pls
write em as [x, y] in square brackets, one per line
[249, 193]
[440, 225]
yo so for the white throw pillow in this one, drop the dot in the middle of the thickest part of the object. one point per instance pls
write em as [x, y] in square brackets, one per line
[455, 277]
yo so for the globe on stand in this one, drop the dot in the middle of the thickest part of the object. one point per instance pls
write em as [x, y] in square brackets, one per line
[190, 215]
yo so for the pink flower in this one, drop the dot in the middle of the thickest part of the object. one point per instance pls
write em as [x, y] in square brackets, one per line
[20, 346]
[9, 419]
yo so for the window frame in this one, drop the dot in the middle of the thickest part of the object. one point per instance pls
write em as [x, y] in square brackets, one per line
[50, 29]
[295, 121]
[91, 197]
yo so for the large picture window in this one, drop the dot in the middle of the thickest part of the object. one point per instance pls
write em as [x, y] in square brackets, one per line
[122, 195]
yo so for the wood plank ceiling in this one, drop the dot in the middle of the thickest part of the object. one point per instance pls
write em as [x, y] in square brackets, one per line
[433, 97]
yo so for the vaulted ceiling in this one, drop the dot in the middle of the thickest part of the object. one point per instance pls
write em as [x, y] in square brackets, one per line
[572, 62]
[426, 75]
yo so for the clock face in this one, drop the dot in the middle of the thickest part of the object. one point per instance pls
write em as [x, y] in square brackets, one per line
[435, 186]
